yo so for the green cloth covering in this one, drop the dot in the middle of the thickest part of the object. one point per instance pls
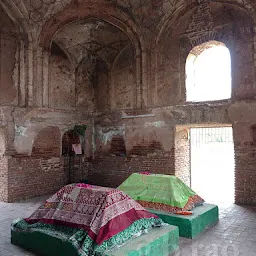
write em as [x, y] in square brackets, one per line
[160, 241]
[203, 217]
[79, 238]
[157, 188]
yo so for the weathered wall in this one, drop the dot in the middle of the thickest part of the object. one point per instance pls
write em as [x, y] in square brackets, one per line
[182, 155]
[85, 99]
[111, 171]
[244, 138]
[35, 133]
[47, 143]
[123, 80]
[3, 179]
[128, 63]
[213, 21]
[8, 48]
[101, 89]
[29, 176]
[62, 81]
[2, 142]
[151, 141]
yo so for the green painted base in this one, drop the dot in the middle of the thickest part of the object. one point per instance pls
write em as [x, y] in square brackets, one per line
[157, 242]
[203, 217]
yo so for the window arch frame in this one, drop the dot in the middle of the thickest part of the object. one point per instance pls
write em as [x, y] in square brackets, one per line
[194, 53]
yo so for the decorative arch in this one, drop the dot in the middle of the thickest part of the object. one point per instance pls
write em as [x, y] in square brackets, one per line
[81, 11]
[18, 17]
[173, 14]
[164, 30]
[25, 137]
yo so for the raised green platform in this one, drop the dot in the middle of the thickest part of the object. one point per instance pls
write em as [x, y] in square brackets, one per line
[202, 218]
[157, 242]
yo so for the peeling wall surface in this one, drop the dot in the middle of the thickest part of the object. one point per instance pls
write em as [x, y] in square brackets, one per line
[61, 83]
[124, 80]
[8, 46]
[117, 67]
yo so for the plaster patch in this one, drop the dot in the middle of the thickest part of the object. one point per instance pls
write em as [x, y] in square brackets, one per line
[20, 131]
[105, 137]
[157, 124]
[2, 117]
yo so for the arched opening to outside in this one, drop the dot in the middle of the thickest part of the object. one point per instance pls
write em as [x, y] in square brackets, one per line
[208, 72]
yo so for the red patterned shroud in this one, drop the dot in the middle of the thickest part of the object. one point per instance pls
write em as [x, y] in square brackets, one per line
[102, 212]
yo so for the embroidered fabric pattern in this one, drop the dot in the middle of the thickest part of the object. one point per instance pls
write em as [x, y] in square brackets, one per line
[101, 212]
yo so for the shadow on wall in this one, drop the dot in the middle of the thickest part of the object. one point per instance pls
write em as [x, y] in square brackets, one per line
[253, 129]
[118, 146]
[68, 139]
[47, 143]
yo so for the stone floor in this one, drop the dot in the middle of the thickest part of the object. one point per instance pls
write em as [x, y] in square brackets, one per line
[234, 235]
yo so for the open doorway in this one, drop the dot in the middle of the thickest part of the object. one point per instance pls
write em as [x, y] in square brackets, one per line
[212, 163]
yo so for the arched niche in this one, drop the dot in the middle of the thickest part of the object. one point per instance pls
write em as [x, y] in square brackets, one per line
[95, 46]
[116, 19]
[47, 142]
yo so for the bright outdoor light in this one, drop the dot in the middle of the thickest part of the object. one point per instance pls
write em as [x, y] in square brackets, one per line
[208, 74]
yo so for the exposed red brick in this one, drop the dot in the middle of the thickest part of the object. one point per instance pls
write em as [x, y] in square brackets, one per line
[47, 143]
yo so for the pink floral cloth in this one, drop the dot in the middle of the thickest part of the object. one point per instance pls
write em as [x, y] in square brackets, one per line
[145, 173]
[102, 212]
[83, 185]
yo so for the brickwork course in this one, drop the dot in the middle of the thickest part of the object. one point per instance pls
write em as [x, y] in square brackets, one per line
[117, 67]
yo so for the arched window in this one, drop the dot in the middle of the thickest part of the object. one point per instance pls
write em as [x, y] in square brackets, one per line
[208, 72]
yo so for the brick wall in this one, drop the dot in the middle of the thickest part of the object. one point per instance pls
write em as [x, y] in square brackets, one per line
[31, 176]
[182, 156]
[145, 148]
[47, 142]
[118, 146]
[3, 179]
[111, 171]
[245, 176]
